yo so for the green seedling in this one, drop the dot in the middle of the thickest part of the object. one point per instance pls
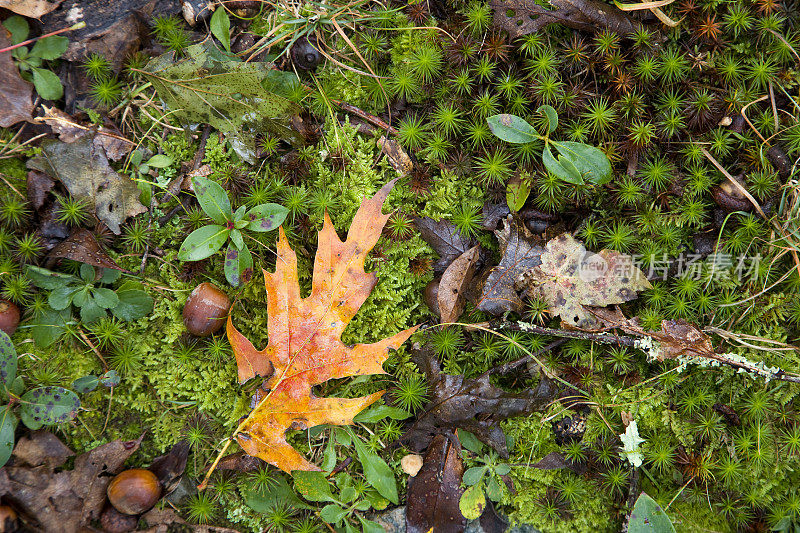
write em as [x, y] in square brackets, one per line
[31, 61]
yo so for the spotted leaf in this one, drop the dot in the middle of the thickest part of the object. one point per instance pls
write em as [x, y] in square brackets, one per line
[48, 406]
[8, 360]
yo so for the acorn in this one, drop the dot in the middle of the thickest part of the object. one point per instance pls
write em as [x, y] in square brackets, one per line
[205, 310]
[112, 521]
[9, 317]
[134, 491]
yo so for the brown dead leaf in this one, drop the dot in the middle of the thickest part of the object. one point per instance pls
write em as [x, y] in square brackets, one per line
[679, 338]
[169, 468]
[454, 283]
[83, 168]
[30, 8]
[570, 277]
[397, 157]
[69, 130]
[82, 246]
[444, 238]
[42, 448]
[66, 501]
[474, 405]
[16, 103]
[520, 253]
[521, 17]
[434, 493]
[38, 184]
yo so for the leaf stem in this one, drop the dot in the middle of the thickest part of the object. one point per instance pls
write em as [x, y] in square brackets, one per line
[77, 26]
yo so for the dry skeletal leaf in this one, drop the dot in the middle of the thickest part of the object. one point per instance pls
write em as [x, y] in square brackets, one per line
[83, 168]
[16, 103]
[521, 17]
[454, 283]
[520, 253]
[30, 8]
[434, 493]
[570, 277]
[305, 347]
[396, 156]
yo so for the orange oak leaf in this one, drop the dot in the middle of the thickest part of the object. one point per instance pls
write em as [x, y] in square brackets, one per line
[305, 347]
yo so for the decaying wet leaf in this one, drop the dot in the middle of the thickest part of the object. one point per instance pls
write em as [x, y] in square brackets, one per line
[521, 17]
[37, 185]
[16, 103]
[83, 168]
[304, 347]
[444, 238]
[70, 130]
[454, 283]
[42, 448]
[520, 253]
[396, 156]
[66, 501]
[569, 277]
[474, 405]
[82, 246]
[169, 468]
[434, 493]
[30, 8]
[237, 98]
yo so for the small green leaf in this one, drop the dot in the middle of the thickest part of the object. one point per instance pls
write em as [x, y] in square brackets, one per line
[221, 26]
[493, 490]
[517, 192]
[236, 263]
[569, 174]
[378, 502]
[313, 486]
[109, 275]
[279, 492]
[591, 163]
[47, 406]
[91, 312]
[513, 129]
[473, 475]
[332, 513]
[329, 456]
[159, 161]
[47, 84]
[648, 517]
[470, 441]
[88, 273]
[18, 27]
[81, 296]
[213, 199]
[236, 238]
[51, 47]
[61, 298]
[502, 469]
[472, 502]
[377, 472]
[8, 423]
[203, 242]
[266, 217]
[376, 413]
[134, 303]
[85, 384]
[110, 379]
[47, 279]
[48, 326]
[239, 214]
[105, 298]
[551, 115]
[368, 526]
[8, 360]
[136, 157]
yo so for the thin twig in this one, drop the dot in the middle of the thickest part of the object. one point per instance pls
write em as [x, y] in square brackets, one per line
[604, 338]
[91, 345]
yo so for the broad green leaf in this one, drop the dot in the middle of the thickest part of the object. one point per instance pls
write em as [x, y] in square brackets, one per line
[332, 513]
[47, 279]
[313, 486]
[266, 217]
[91, 312]
[110, 379]
[134, 303]
[648, 517]
[236, 239]
[511, 128]
[88, 273]
[85, 384]
[82, 296]
[8, 423]
[220, 26]
[47, 84]
[105, 298]
[376, 413]
[213, 199]
[473, 475]
[552, 117]
[567, 173]
[472, 502]
[502, 469]
[279, 492]
[109, 276]
[592, 164]
[368, 526]
[236, 263]
[159, 161]
[48, 326]
[378, 502]
[517, 192]
[8, 360]
[51, 47]
[377, 472]
[240, 99]
[493, 490]
[203, 242]
[18, 27]
[348, 494]
[48, 406]
[470, 441]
